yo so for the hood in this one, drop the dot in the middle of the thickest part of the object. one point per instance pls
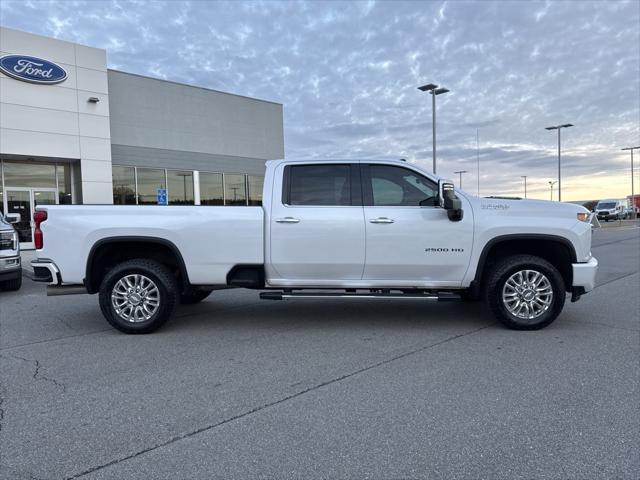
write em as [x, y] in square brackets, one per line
[510, 206]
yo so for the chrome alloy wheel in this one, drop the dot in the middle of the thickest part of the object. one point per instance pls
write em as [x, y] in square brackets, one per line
[135, 298]
[527, 294]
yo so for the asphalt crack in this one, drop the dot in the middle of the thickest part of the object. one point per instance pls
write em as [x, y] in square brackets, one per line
[37, 375]
[257, 409]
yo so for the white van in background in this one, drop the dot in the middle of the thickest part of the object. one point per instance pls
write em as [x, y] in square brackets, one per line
[610, 209]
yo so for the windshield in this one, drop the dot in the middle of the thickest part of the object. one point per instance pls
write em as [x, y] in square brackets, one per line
[606, 205]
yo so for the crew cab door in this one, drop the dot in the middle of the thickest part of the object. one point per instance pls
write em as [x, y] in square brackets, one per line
[410, 240]
[316, 225]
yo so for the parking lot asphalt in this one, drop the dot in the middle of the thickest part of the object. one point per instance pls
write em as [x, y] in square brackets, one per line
[236, 387]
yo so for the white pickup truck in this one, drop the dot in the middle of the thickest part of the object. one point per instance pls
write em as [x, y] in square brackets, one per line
[326, 229]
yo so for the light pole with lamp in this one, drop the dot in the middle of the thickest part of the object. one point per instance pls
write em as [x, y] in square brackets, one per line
[633, 193]
[551, 184]
[525, 184]
[559, 127]
[434, 90]
[460, 172]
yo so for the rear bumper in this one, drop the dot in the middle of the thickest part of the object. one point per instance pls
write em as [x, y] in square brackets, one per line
[584, 274]
[46, 271]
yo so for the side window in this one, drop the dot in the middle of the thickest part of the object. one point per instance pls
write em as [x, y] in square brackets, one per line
[400, 187]
[319, 185]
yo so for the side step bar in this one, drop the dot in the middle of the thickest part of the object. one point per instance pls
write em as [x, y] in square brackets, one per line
[55, 290]
[434, 296]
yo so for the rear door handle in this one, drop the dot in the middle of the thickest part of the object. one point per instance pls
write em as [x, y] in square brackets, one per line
[287, 220]
[381, 220]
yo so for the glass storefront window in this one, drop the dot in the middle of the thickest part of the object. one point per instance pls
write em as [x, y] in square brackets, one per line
[255, 189]
[149, 181]
[64, 184]
[211, 189]
[124, 185]
[180, 187]
[27, 174]
[234, 189]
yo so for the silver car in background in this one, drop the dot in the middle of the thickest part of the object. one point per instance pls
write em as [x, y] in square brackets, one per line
[10, 264]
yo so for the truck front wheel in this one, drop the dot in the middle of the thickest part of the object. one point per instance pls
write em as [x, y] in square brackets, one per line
[138, 296]
[525, 292]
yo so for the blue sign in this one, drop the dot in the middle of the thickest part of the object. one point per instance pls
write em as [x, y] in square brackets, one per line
[32, 69]
[162, 196]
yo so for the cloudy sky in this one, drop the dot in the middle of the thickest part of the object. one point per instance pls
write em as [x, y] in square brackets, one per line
[347, 72]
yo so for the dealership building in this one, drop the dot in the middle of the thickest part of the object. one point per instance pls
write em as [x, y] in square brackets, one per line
[74, 131]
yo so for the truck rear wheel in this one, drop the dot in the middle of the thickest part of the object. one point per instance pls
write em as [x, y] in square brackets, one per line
[525, 292]
[138, 296]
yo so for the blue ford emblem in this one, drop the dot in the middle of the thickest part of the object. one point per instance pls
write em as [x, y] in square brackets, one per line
[32, 69]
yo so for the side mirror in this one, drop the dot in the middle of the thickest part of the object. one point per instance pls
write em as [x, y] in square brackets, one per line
[449, 201]
[13, 217]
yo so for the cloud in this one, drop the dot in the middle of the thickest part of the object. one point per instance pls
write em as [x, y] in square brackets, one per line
[347, 74]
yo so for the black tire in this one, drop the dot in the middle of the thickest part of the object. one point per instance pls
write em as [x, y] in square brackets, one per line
[167, 295]
[499, 275]
[12, 285]
[192, 296]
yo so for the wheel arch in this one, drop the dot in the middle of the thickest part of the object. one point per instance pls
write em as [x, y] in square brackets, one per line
[558, 250]
[112, 250]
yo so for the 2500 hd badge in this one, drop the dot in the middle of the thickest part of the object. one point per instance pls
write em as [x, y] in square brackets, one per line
[443, 250]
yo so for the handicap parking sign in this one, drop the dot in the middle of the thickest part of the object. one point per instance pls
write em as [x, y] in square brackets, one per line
[162, 196]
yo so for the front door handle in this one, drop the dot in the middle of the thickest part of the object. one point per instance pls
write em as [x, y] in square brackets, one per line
[381, 220]
[287, 220]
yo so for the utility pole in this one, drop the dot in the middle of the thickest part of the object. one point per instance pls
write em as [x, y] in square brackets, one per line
[434, 90]
[559, 127]
[525, 184]
[633, 193]
[478, 157]
[460, 172]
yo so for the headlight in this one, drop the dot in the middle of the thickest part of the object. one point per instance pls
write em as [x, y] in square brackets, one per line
[8, 240]
[583, 216]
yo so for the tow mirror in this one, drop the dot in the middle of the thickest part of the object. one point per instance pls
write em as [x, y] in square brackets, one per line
[12, 217]
[449, 201]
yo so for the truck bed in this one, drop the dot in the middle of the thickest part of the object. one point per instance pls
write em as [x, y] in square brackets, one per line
[211, 239]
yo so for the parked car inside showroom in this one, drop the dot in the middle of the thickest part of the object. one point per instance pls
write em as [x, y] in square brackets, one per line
[10, 264]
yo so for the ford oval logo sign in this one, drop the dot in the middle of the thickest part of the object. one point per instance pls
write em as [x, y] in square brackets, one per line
[32, 69]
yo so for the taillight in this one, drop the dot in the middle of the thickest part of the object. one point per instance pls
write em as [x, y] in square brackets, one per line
[38, 217]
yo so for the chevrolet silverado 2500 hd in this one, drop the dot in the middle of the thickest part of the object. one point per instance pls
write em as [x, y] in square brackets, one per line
[326, 229]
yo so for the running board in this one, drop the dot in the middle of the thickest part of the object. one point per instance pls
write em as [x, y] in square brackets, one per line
[433, 296]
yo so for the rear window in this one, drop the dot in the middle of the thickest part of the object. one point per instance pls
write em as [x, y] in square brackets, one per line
[319, 185]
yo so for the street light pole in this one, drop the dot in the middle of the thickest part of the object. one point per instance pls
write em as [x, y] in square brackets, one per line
[633, 193]
[460, 172]
[551, 184]
[559, 127]
[433, 89]
[525, 184]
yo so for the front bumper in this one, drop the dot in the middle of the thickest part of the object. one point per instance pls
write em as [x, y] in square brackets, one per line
[584, 275]
[10, 268]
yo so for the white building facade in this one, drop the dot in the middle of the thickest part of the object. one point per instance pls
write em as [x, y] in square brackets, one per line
[73, 131]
